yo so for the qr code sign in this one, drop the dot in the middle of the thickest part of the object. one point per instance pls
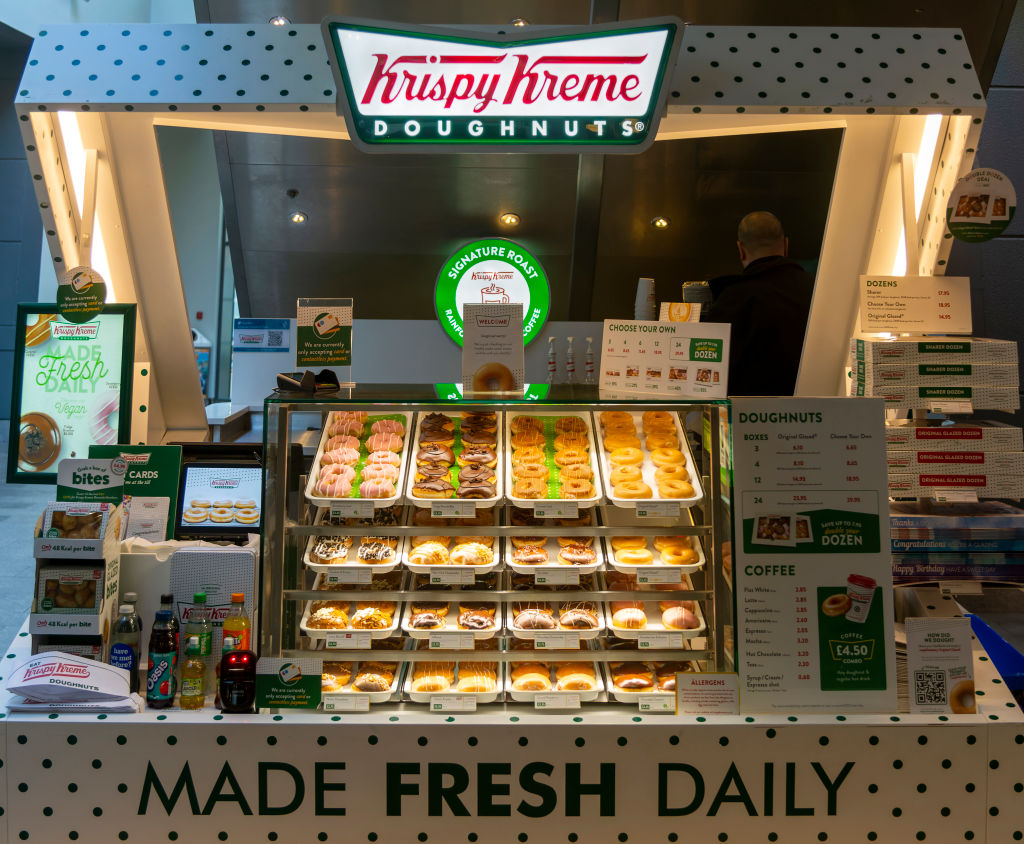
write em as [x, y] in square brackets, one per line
[275, 339]
[930, 687]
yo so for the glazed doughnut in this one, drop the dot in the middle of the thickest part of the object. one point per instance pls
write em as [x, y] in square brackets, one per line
[493, 377]
[376, 488]
[525, 439]
[836, 605]
[200, 503]
[614, 441]
[531, 470]
[352, 427]
[578, 472]
[633, 556]
[629, 456]
[609, 416]
[577, 488]
[571, 456]
[625, 473]
[486, 541]
[347, 456]
[656, 416]
[245, 504]
[338, 470]
[675, 489]
[388, 426]
[420, 540]
[961, 698]
[619, 542]
[373, 471]
[247, 515]
[225, 504]
[530, 454]
[221, 514]
[660, 428]
[632, 489]
[654, 441]
[671, 472]
[679, 555]
[384, 442]
[334, 486]
[524, 541]
[572, 440]
[526, 423]
[386, 457]
[565, 541]
[664, 456]
[529, 488]
[194, 515]
[344, 441]
[570, 425]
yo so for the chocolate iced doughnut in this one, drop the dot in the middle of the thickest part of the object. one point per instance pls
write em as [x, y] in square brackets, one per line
[435, 453]
[476, 490]
[476, 473]
[474, 436]
[432, 471]
[439, 488]
[477, 454]
[437, 420]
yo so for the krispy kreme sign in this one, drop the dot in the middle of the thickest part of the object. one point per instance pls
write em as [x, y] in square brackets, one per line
[597, 88]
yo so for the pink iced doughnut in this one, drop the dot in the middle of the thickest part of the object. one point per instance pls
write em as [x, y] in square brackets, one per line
[102, 431]
[374, 471]
[388, 458]
[344, 441]
[347, 426]
[334, 486]
[348, 456]
[377, 488]
[337, 470]
[388, 426]
[384, 442]
[346, 415]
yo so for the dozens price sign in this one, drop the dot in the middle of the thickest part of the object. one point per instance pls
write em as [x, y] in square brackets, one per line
[600, 88]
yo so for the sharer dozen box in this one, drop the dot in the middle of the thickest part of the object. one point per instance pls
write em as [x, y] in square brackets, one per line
[948, 374]
[917, 397]
[932, 350]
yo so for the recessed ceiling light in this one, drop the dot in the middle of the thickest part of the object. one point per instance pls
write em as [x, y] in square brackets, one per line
[280, 20]
[660, 222]
[519, 22]
[509, 219]
[297, 217]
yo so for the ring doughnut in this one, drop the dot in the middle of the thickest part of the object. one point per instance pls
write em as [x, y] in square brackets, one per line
[388, 457]
[526, 423]
[194, 515]
[221, 514]
[570, 425]
[334, 486]
[337, 470]
[632, 489]
[525, 439]
[388, 426]
[532, 470]
[573, 440]
[577, 471]
[836, 605]
[671, 472]
[103, 432]
[679, 555]
[346, 427]
[669, 488]
[247, 515]
[493, 377]
[577, 488]
[529, 488]
[572, 456]
[609, 416]
[625, 473]
[345, 415]
[373, 471]
[665, 456]
[654, 441]
[384, 442]
[661, 542]
[529, 454]
[200, 503]
[614, 441]
[656, 416]
[376, 488]
[621, 542]
[245, 504]
[961, 698]
[224, 504]
[634, 556]
[629, 456]
[348, 456]
[342, 442]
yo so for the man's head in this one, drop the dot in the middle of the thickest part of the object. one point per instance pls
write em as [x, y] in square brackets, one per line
[760, 235]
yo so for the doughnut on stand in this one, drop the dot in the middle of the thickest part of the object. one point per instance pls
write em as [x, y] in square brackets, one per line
[602, 773]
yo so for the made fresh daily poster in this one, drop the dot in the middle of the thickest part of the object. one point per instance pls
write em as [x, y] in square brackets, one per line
[72, 388]
[811, 556]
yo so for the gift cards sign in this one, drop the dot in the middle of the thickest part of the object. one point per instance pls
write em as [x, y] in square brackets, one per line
[597, 88]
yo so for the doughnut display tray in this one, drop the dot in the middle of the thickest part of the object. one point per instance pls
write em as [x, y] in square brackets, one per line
[632, 568]
[565, 598]
[451, 620]
[648, 468]
[629, 695]
[314, 474]
[499, 467]
[552, 547]
[549, 448]
[318, 633]
[426, 569]
[352, 560]
[650, 600]
[481, 697]
[374, 697]
[530, 697]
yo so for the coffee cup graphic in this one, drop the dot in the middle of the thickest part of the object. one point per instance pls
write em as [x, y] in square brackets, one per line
[493, 295]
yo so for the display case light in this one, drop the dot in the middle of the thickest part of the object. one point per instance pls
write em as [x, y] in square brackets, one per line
[519, 22]
[509, 219]
[660, 222]
[298, 217]
[279, 20]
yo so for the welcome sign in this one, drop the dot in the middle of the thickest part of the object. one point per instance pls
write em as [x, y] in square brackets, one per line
[598, 88]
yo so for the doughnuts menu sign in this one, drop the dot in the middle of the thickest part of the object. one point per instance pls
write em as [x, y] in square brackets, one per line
[598, 88]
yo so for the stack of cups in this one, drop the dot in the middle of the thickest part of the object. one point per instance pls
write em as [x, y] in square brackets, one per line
[644, 307]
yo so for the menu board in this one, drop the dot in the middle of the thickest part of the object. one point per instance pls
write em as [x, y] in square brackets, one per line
[72, 388]
[811, 556]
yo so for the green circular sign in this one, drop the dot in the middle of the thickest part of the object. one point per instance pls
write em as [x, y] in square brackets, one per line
[492, 271]
[980, 206]
[81, 294]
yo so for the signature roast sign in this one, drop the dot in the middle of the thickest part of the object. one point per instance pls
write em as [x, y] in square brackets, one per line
[598, 88]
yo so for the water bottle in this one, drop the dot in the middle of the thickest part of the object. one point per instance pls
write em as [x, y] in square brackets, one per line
[163, 654]
[125, 643]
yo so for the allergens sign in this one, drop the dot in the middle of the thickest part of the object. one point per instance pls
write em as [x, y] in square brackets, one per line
[493, 271]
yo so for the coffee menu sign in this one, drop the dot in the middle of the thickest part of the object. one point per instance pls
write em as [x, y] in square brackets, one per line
[597, 88]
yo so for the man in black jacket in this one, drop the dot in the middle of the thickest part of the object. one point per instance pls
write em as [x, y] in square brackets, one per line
[767, 305]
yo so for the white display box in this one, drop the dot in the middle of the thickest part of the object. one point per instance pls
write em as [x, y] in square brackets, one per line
[932, 350]
[974, 436]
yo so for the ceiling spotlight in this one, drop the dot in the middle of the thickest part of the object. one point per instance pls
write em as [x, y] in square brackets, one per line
[279, 20]
[297, 217]
[660, 222]
[509, 219]
[519, 22]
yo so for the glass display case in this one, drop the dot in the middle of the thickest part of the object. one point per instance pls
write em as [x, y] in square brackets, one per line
[575, 575]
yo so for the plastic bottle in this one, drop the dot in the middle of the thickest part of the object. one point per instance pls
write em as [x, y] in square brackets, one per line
[570, 362]
[588, 363]
[167, 603]
[552, 361]
[199, 625]
[163, 654]
[125, 643]
[193, 675]
[237, 634]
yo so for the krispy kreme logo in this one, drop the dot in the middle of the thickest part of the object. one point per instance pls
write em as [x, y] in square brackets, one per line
[599, 86]
[56, 669]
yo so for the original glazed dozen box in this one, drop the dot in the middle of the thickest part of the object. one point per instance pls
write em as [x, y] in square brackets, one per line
[958, 462]
[948, 374]
[976, 436]
[932, 350]
[986, 485]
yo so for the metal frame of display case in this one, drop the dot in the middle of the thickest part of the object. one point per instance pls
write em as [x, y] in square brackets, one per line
[283, 574]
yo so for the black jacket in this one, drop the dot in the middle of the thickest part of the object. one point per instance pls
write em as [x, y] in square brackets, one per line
[767, 305]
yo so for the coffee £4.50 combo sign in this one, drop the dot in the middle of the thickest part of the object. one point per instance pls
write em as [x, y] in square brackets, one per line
[596, 89]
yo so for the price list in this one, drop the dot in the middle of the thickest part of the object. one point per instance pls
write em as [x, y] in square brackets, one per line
[813, 577]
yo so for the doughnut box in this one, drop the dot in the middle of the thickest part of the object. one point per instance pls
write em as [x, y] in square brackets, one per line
[361, 457]
[323, 618]
[554, 550]
[467, 472]
[556, 443]
[642, 612]
[618, 447]
[622, 560]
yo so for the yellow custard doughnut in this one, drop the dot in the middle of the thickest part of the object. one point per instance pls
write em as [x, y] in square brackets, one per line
[632, 489]
[625, 473]
[665, 456]
[634, 556]
[626, 457]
